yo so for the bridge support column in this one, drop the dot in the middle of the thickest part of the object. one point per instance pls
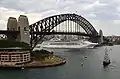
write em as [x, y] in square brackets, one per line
[23, 27]
[101, 37]
[11, 26]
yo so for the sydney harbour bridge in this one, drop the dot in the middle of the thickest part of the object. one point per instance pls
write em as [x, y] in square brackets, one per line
[62, 24]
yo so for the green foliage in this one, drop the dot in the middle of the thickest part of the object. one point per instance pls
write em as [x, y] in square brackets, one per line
[117, 42]
[40, 54]
[42, 51]
[13, 43]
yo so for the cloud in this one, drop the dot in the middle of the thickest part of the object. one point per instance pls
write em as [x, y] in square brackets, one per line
[2, 24]
[109, 27]
[103, 14]
[6, 13]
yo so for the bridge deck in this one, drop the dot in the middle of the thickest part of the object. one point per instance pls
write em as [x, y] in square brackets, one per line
[8, 32]
[66, 33]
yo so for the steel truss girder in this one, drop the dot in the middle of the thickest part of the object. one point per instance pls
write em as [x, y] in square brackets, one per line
[47, 24]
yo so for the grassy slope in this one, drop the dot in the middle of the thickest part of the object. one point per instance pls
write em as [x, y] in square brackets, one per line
[13, 43]
[40, 54]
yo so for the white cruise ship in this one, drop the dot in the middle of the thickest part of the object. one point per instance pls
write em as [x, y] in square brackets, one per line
[57, 43]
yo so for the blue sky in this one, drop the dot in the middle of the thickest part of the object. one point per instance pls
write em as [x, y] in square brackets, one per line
[102, 14]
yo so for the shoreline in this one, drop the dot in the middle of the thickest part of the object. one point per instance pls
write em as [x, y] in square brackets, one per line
[39, 64]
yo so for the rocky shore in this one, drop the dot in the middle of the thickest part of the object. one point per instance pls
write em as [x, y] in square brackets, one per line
[49, 61]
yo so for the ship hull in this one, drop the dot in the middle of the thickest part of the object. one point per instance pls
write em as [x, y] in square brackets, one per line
[68, 45]
[65, 45]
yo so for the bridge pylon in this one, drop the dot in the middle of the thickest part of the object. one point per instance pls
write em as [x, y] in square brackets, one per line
[101, 37]
[23, 27]
[11, 26]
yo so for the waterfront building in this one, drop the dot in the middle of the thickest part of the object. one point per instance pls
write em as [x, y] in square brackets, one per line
[14, 56]
[113, 38]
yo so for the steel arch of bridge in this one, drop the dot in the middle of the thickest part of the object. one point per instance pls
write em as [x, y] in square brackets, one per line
[38, 29]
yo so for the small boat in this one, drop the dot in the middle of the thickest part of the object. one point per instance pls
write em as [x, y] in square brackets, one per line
[22, 68]
[82, 64]
[106, 60]
[85, 56]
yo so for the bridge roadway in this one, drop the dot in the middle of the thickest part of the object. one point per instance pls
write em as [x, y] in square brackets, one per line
[47, 33]
[66, 33]
[6, 32]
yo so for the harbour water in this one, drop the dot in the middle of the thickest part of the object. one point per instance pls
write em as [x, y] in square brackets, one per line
[81, 64]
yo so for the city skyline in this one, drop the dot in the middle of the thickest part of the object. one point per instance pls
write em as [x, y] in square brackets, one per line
[102, 14]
